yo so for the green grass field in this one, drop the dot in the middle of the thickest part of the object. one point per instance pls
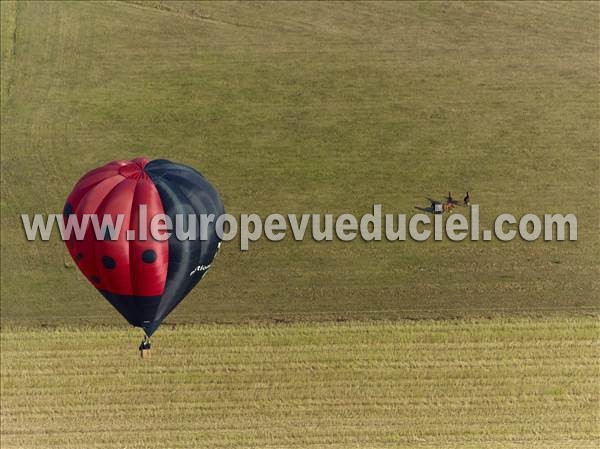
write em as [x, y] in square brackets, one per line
[310, 107]
[324, 108]
[478, 384]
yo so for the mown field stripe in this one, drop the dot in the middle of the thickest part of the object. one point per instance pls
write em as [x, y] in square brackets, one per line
[473, 383]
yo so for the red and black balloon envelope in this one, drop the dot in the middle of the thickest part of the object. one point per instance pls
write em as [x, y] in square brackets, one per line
[142, 277]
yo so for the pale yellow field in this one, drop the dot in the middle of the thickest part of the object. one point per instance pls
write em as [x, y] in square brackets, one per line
[514, 383]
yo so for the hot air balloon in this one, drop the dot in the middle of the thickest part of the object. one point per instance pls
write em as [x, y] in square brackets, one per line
[144, 278]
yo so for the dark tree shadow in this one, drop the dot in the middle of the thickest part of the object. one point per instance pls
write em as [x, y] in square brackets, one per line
[429, 209]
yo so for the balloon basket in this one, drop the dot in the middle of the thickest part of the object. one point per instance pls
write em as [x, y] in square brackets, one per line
[144, 348]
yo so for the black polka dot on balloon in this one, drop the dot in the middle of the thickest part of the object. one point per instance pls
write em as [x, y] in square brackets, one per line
[149, 256]
[108, 262]
[68, 210]
[95, 279]
[78, 256]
